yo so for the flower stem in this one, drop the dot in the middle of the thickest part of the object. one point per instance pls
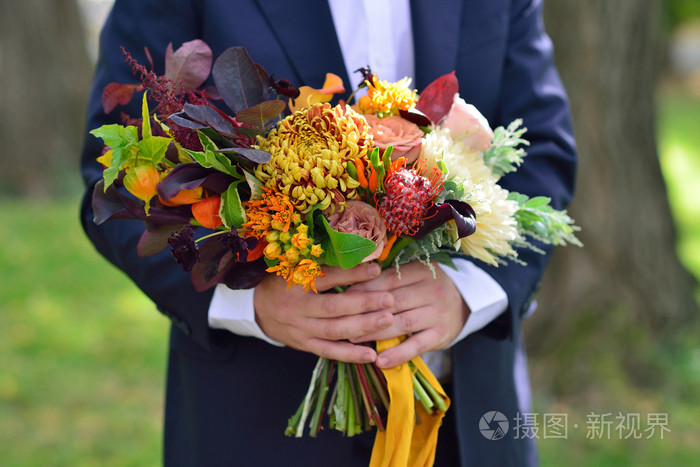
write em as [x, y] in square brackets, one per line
[422, 396]
[214, 234]
[315, 426]
[308, 399]
[437, 398]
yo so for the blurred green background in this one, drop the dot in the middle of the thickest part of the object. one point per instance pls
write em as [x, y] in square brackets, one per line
[82, 351]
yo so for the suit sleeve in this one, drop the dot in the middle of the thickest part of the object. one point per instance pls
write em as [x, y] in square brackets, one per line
[135, 24]
[531, 90]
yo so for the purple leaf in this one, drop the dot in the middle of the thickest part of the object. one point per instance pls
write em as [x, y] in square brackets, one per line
[451, 209]
[182, 177]
[217, 182]
[106, 206]
[189, 64]
[258, 115]
[208, 116]
[114, 204]
[181, 119]
[237, 79]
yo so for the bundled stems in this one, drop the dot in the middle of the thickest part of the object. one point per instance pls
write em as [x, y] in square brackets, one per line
[359, 398]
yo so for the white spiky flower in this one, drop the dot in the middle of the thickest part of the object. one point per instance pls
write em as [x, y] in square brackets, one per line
[497, 229]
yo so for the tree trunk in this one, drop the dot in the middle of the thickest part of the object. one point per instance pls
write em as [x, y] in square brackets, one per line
[626, 287]
[44, 79]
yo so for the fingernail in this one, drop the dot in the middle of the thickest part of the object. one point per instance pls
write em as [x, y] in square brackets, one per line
[374, 270]
[382, 361]
[369, 357]
[387, 300]
[383, 322]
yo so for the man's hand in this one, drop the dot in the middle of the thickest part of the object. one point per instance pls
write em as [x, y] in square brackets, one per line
[430, 309]
[322, 323]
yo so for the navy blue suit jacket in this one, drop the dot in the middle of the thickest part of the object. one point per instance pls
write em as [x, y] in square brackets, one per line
[228, 397]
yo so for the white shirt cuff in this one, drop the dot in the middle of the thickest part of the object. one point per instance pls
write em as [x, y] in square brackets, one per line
[234, 310]
[484, 296]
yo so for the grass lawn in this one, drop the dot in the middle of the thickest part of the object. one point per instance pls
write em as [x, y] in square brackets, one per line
[82, 354]
[82, 351]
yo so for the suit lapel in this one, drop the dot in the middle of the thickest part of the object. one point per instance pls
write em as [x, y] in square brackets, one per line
[436, 27]
[305, 32]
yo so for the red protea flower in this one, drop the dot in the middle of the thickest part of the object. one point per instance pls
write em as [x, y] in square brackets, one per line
[409, 193]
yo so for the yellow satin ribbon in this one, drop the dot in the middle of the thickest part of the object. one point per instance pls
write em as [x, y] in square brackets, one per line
[403, 442]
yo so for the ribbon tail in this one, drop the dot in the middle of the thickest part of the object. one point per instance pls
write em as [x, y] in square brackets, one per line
[404, 442]
[425, 435]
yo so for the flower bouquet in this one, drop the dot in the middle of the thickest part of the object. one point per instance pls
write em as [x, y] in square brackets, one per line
[285, 182]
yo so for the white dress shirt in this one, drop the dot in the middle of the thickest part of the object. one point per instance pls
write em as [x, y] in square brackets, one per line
[376, 33]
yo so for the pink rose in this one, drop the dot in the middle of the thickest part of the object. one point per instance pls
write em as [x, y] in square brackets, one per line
[467, 124]
[398, 132]
[361, 219]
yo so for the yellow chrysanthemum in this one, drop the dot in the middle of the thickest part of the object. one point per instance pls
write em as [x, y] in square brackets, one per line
[384, 98]
[310, 150]
[496, 229]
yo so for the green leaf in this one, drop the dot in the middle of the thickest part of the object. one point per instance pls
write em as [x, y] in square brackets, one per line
[214, 160]
[254, 184]
[344, 249]
[117, 136]
[444, 258]
[146, 118]
[153, 148]
[231, 211]
[537, 202]
[206, 142]
[122, 140]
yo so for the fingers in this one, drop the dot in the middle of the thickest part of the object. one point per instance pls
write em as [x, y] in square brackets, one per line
[319, 323]
[410, 274]
[342, 351]
[407, 322]
[409, 349]
[336, 276]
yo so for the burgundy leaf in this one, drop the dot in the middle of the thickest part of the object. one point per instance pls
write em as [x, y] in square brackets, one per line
[436, 99]
[258, 115]
[237, 79]
[214, 261]
[148, 56]
[256, 156]
[416, 117]
[459, 211]
[117, 94]
[155, 238]
[245, 275]
[189, 64]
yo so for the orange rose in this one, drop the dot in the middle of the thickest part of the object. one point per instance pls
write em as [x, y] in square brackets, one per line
[398, 132]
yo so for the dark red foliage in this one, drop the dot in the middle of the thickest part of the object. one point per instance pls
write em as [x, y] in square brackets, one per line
[184, 248]
[436, 99]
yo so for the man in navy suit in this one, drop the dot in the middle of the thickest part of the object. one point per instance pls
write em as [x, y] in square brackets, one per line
[229, 391]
